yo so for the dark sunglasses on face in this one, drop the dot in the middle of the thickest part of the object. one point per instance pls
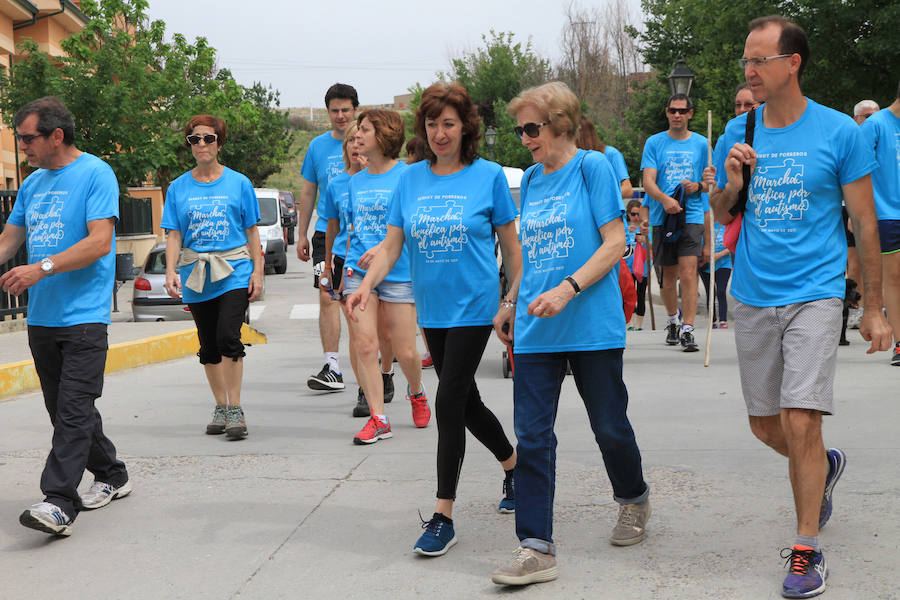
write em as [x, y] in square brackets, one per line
[634, 214]
[208, 138]
[532, 130]
[679, 111]
[28, 138]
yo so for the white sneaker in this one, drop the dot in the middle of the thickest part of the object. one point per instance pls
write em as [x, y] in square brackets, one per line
[47, 517]
[100, 494]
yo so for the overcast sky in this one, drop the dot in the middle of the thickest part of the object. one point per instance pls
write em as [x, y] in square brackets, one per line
[381, 48]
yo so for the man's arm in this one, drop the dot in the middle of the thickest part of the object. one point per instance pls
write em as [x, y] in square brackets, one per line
[861, 207]
[96, 245]
[11, 238]
[722, 201]
[307, 204]
[669, 203]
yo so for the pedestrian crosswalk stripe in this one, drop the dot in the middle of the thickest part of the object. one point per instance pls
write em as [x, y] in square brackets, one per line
[305, 311]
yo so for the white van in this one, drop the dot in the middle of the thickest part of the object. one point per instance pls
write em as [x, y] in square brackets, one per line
[271, 229]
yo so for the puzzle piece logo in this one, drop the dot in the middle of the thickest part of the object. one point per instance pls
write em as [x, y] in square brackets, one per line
[439, 229]
[208, 222]
[778, 193]
[547, 235]
[679, 166]
[370, 216]
[45, 225]
[335, 167]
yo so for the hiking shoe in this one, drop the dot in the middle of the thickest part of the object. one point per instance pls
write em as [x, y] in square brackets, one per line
[217, 425]
[632, 523]
[807, 573]
[837, 460]
[326, 380]
[895, 361]
[688, 343]
[235, 425]
[47, 517]
[362, 407]
[387, 380]
[421, 413]
[427, 361]
[508, 503]
[672, 334]
[100, 494]
[439, 537]
[528, 566]
[373, 431]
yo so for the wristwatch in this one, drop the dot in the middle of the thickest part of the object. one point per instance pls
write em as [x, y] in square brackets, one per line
[47, 266]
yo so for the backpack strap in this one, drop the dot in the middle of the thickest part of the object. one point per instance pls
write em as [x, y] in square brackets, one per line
[749, 128]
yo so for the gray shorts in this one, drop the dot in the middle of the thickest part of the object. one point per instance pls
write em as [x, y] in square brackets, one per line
[788, 355]
[689, 244]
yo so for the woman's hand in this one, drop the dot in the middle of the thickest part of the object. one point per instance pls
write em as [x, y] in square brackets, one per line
[173, 285]
[505, 322]
[358, 298]
[369, 255]
[552, 302]
[256, 285]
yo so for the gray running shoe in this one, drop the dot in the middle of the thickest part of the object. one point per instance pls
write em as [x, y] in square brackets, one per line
[631, 525]
[217, 425]
[235, 425]
[100, 494]
[47, 517]
[528, 566]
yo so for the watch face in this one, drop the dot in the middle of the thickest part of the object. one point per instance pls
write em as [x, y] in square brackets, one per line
[46, 266]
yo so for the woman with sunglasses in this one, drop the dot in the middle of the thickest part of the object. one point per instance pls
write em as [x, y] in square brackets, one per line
[636, 238]
[210, 215]
[379, 138]
[568, 311]
[444, 215]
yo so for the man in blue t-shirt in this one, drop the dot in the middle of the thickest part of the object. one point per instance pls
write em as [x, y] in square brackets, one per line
[881, 131]
[66, 212]
[672, 157]
[788, 273]
[323, 162]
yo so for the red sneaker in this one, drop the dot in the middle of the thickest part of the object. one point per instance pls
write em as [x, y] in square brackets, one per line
[420, 412]
[373, 431]
[427, 362]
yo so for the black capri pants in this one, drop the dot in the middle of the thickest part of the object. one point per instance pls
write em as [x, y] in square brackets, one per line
[219, 326]
[456, 352]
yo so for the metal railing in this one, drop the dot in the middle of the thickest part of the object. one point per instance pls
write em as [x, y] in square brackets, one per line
[11, 307]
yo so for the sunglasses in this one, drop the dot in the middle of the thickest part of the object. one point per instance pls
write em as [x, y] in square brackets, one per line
[678, 111]
[532, 130]
[208, 138]
[28, 138]
[634, 214]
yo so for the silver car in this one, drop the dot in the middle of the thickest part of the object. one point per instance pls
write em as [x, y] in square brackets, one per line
[151, 302]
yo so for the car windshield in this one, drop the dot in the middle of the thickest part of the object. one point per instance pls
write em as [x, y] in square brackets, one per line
[156, 263]
[268, 211]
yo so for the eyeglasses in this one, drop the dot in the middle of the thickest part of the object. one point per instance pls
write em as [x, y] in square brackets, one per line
[29, 137]
[759, 60]
[747, 105]
[532, 130]
[634, 214]
[208, 138]
[864, 116]
[679, 111]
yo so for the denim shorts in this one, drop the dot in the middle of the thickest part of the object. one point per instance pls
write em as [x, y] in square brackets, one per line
[399, 292]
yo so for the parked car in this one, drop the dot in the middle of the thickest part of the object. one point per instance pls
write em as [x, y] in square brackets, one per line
[150, 301]
[289, 210]
[271, 229]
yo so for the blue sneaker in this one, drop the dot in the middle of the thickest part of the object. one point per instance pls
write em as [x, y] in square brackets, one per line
[806, 575]
[837, 460]
[438, 537]
[508, 504]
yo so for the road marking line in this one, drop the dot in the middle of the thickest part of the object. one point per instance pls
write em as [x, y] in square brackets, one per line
[305, 311]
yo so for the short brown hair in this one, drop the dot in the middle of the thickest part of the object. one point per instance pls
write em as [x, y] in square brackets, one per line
[587, 138]
[437, 97]
[390, 129]
[793, 39]
[217, 124]
[415, 150]
[555, 100]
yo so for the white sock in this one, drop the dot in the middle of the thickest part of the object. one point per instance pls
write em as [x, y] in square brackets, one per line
[687, 328]
[333, 362]
[672, 319]
[382, 419]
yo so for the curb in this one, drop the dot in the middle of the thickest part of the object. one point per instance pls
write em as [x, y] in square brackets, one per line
[19, 377]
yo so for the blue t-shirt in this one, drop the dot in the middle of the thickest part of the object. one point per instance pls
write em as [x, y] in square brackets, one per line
[54, 206]
[725, 261]
[448, 222]
[323, 162]
[674, 161]
[792, 246]
[559, 229]
[881, 131]
[617, 161]
[336, 200]
[211, 217]
[368, 209]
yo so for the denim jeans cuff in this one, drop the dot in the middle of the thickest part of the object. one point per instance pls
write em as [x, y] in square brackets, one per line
[542, 546]
[636, 500]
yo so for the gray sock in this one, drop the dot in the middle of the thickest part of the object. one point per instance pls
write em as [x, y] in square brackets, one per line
[808, 541]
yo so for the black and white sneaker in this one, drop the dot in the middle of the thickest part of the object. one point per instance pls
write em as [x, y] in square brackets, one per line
[672, 334]
[688, 343]
[326, 380]
[362, 407]
[387, 379]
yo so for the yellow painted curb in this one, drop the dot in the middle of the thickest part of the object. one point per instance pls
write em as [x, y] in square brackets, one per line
[19, 377]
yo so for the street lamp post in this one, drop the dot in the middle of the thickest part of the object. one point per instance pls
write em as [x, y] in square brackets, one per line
[681, 78]
[490, 138]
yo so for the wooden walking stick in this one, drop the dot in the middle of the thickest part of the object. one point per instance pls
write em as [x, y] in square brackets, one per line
[712, 242]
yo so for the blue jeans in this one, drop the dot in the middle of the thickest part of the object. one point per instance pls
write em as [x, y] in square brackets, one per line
[538, 379]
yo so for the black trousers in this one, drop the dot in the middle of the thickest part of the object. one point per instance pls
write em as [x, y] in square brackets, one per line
[640, 287]
[219, 326]
[456, 352]
[70, 362]
[720, 306]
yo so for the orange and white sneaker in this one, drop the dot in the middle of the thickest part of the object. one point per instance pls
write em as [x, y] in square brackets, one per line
[421, 413]
[373, 431]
